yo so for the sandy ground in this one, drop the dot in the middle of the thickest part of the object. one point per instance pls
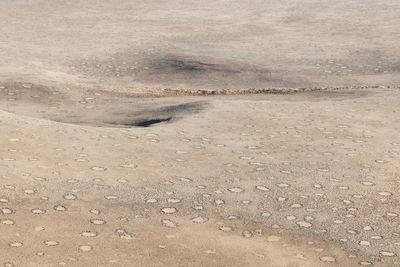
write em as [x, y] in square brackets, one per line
[303, 179]
[97, 169]
[141, 45]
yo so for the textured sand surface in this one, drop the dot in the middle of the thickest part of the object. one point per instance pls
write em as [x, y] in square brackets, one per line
[302, 179]
[97, 169]
[142, 45]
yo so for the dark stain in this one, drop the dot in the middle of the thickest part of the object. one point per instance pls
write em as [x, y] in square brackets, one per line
[187, 108]
[107, 109]
[180, 64]
[148, 123]
[175, 69]
[150, 115]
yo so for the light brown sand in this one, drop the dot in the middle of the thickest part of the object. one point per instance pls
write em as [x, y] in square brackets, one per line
[294, 177]
[266, 180]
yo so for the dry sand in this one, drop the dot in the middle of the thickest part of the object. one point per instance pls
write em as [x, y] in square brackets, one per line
[141, 45]
[261, 180]
[97, 169]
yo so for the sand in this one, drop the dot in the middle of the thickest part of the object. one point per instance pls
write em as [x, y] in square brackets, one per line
[186, 134]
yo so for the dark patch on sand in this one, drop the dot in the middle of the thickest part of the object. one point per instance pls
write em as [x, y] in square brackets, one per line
[181, 70]
[150, 114]
[186, 65]
[93, 109]
[148, 123]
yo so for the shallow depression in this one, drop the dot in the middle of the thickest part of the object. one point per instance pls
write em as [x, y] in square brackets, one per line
[94, 108]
